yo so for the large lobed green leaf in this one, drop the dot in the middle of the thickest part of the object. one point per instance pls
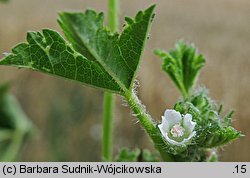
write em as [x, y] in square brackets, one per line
[95, 57]
[182, 64]
[48, 52]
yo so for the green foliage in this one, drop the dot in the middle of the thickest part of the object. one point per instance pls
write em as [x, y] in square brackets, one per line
[14, 126]
[136, 155]
[182, 64]
[212, 129]
[126, 155]
[149, 157]
[215, 129]
[95, 57]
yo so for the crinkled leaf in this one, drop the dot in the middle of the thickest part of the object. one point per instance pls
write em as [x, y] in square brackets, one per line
[182, 64]
[96, 57]
[217, 136]
[212, 130]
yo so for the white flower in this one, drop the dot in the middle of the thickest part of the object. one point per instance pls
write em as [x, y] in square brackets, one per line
[177, 129]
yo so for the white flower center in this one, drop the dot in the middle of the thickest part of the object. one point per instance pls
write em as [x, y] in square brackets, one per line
[177, 130]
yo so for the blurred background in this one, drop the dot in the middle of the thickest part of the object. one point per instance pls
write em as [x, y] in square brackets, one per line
[68, 114]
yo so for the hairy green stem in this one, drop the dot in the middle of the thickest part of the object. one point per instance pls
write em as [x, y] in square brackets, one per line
[108, 101]
[148, 124]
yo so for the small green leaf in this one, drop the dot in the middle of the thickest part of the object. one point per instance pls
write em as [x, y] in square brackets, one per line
[136, 155]
[227, 120]
[218, 136]
[95, 57]
[182, 64]
[125, 155]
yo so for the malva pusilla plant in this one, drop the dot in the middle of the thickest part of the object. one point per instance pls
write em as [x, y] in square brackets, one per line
[100, 57]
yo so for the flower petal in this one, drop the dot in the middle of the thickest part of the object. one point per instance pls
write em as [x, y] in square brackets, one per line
[165, 124]
[163, 131]
[188, 123]
[172, 117]
[185, 140]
